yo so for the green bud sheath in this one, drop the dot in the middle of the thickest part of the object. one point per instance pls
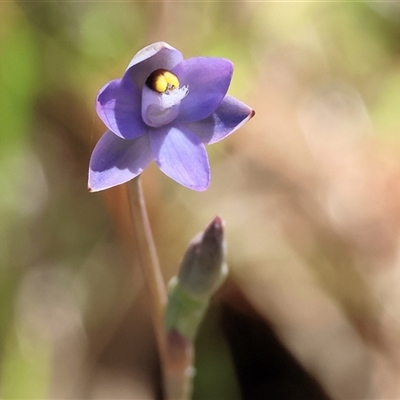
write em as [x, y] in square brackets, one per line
[201, 273]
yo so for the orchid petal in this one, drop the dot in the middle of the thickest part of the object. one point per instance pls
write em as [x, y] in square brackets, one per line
[155, 56]
[229, 116]
[119, 107]
[208, 81]
[180, 155]
[115, 160]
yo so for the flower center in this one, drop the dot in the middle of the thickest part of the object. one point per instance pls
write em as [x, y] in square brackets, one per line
[161, 98]
[162, 80]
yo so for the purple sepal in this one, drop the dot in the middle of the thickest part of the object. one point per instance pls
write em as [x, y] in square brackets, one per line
[115, 160]
[181, 155]
[227, 118]
[119, 107]
[208, 80]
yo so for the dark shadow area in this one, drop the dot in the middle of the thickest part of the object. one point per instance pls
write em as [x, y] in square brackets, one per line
[264, 367]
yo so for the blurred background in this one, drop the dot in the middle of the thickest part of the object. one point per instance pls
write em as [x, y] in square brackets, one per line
[309, 190]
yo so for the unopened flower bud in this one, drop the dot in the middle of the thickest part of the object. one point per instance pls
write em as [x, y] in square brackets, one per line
[202, 271]
[203, 267]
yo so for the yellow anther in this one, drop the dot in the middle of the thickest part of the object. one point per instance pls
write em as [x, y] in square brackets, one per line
[162, 80]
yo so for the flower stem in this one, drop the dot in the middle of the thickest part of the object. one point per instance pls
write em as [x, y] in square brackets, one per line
[175, 350]
[148, 260]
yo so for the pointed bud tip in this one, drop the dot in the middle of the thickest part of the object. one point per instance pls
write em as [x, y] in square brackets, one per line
[218, 222]
[215, 229]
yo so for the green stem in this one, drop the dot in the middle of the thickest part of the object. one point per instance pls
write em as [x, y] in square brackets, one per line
[202, 271]
[176, 356]
[149, 260]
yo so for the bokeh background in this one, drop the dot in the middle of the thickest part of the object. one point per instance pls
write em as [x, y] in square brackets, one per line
[309, 190]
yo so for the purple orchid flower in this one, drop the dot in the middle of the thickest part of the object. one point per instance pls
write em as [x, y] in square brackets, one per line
[167, 109]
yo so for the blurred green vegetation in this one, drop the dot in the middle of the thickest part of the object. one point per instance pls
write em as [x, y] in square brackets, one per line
[72, 318]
